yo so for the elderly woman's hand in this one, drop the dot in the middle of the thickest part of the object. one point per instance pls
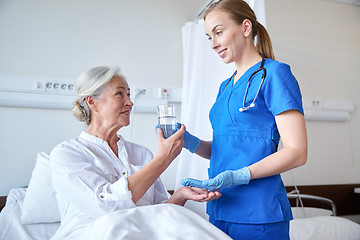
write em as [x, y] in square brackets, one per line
[199, 194]
[192, 193]
[169, 148]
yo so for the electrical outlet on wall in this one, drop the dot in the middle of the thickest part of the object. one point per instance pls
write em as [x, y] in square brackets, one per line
[164, 93]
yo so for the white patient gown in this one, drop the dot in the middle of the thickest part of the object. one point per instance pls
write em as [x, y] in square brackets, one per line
[89, 181]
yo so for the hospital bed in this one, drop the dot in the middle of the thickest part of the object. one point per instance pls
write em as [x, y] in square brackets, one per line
[156, 222]
[30, 213]
[317, 223]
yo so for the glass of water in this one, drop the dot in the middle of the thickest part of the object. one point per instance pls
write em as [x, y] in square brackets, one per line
[167, 119]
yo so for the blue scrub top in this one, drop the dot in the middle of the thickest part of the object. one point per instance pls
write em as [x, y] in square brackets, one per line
[243, 138]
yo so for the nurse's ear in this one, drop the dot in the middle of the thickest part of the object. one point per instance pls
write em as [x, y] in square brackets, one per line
[247, 28]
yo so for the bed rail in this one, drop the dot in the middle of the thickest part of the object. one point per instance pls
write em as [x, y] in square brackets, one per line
[346, 200]
[299, 197]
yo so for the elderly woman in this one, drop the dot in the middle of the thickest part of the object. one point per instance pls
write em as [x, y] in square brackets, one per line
[100, 172]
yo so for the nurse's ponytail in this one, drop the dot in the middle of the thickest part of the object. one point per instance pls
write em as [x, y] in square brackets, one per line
[263, 42]
[240, 11]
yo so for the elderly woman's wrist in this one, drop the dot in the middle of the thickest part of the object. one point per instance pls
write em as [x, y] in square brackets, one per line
[161, 162]
[181, 196]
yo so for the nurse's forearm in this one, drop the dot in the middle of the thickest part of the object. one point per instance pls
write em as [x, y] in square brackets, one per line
[204, 149]
[292, 129]
[279, 162]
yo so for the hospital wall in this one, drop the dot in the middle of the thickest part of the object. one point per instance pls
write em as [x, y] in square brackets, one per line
[321, 41]
[60, 39]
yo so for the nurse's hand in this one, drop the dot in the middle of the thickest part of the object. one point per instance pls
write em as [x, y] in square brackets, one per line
[223, 180]
[192, 143]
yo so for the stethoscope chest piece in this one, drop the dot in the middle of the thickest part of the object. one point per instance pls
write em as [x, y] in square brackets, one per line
[246, 108]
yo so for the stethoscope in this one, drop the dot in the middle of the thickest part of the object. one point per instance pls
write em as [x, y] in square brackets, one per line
[252, 104]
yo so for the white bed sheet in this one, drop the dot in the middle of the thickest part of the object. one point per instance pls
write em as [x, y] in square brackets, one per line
[11, 227]
[156, 222]
[164, 221]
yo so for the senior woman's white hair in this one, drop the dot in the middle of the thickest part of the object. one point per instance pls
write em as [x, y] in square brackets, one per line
[91, 83]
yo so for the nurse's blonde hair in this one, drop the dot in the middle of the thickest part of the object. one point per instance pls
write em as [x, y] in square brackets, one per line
[239, 11]
[92, 83]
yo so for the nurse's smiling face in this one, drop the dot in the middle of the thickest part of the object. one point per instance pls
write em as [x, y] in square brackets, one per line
[226, 36]
[114, 105]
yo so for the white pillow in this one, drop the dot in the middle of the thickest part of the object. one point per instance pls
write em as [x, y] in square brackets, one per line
[324, 227]
[40, 204]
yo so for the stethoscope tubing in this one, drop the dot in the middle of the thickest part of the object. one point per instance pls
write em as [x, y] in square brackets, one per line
[252, 104]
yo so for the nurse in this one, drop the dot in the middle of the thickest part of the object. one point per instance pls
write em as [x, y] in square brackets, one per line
[255, 108]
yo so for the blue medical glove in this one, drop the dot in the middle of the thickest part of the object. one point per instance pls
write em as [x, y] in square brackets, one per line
[223, 180]
[192, 143]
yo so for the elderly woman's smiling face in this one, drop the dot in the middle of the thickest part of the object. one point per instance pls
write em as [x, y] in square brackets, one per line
[114, 105]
